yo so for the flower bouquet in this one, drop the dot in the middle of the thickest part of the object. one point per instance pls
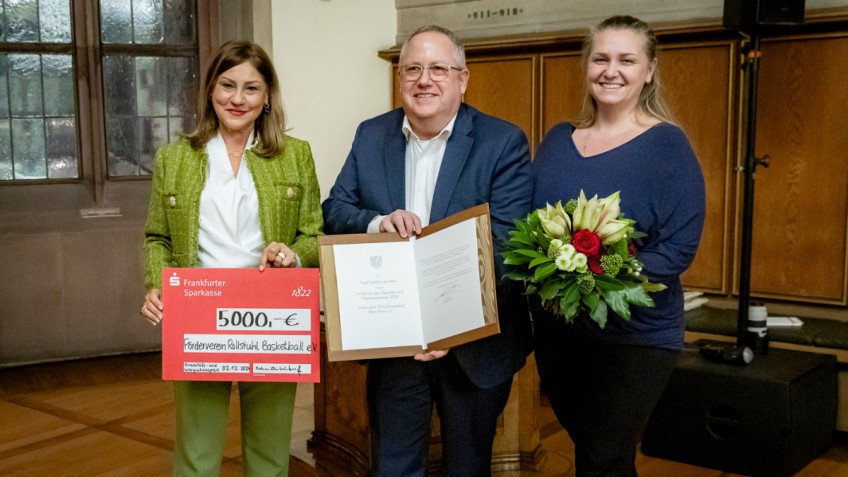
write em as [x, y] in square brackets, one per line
[580, 257]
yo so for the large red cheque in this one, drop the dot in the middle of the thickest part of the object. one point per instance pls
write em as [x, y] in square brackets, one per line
[240, 324]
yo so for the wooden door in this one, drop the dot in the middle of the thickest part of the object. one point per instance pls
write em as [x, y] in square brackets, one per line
[698, 83]
[800, 201]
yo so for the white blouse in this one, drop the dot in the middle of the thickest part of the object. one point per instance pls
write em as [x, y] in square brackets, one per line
[230, 236]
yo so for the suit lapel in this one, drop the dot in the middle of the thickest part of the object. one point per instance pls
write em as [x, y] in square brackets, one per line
[456, 154]
[394, 154]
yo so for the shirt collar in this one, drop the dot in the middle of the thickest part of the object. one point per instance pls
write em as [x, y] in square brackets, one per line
[444, 134]
[251, 140]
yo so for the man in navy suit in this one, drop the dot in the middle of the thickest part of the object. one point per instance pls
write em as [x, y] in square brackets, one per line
[410, 167]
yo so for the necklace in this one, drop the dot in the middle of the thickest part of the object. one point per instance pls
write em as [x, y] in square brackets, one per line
[235, 153]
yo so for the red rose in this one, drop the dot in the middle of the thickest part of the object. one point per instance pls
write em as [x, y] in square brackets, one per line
[631, 249]
[595, 266]
[586, 242]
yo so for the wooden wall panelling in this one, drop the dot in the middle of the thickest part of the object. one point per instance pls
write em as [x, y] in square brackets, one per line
[800, 201]
[504, 88]
[501, 87]
[396, 99]
[800, 224]
[341, 441]
[561, 89]
[341, 444]
[699, 86]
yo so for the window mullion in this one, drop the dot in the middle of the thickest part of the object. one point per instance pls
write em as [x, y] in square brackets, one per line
[91, 126]
[9, 109]
[44, 116]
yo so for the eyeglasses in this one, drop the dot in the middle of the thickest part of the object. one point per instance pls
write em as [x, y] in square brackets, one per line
[437, 72]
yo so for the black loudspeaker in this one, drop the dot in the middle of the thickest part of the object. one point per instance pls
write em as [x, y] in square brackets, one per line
[747, 14]
[769, 418]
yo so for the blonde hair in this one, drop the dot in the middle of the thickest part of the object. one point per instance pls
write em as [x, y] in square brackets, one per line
[651, 100]
[270, 126]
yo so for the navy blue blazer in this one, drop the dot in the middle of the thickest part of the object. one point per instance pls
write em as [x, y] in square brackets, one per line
[486, 160]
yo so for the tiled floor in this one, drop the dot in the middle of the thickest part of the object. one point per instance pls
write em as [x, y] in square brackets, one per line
[76, 419]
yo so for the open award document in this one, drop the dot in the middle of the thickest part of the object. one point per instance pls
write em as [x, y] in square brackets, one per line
[385, 296]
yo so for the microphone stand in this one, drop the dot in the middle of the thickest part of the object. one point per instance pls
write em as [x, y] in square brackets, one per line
[742, 353]
[752, 66]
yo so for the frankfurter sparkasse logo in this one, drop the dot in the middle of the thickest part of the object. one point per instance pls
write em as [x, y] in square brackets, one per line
[174, 280]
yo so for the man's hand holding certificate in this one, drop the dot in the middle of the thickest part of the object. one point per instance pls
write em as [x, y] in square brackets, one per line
[386, 296]
[238, 324]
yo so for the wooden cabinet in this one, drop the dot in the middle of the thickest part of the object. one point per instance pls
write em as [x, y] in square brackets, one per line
[341, 442]
[800, 230]
[801, 200]
[699, 82]
[504, 88]
[561, 89]
[499, 86]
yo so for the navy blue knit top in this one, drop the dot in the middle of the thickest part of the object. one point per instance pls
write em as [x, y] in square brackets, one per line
[662, 188]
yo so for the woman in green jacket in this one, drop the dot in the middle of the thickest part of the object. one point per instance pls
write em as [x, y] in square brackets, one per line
[235, 193]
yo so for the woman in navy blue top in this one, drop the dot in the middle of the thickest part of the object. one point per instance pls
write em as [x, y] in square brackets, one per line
[604, 383]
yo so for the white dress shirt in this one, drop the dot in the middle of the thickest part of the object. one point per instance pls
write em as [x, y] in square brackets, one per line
[230, 236]
[423, 161]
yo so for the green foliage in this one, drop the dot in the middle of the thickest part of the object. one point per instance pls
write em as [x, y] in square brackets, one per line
[553, 249]
[611, 264]
[619, 248]
[573, 294]
[586, 284]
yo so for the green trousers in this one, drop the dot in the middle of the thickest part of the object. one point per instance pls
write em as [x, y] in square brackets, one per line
[266, 421]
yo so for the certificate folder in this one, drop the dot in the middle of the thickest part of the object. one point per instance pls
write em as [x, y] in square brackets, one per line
[385, 296]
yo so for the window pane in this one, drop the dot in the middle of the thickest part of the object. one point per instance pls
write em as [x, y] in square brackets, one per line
[25, 85]
[5, 151]
[61, 146]
[116, 21]
[182, 77]
[152, 85]
[55, 18]
[22, 20]
[119, 85]
[2, 23]
[121, 146]
[179, 22]
[58, 85]
[43, 140]
[178, 126]
[4, 87]
[161, 90]
[152, 133]
[28, 148]
[148, 21]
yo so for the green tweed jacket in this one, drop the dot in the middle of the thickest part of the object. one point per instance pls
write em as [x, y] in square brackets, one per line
[289, 205]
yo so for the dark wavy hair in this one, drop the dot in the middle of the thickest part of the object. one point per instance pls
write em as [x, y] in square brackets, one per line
[270, 126]
[651, 100]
